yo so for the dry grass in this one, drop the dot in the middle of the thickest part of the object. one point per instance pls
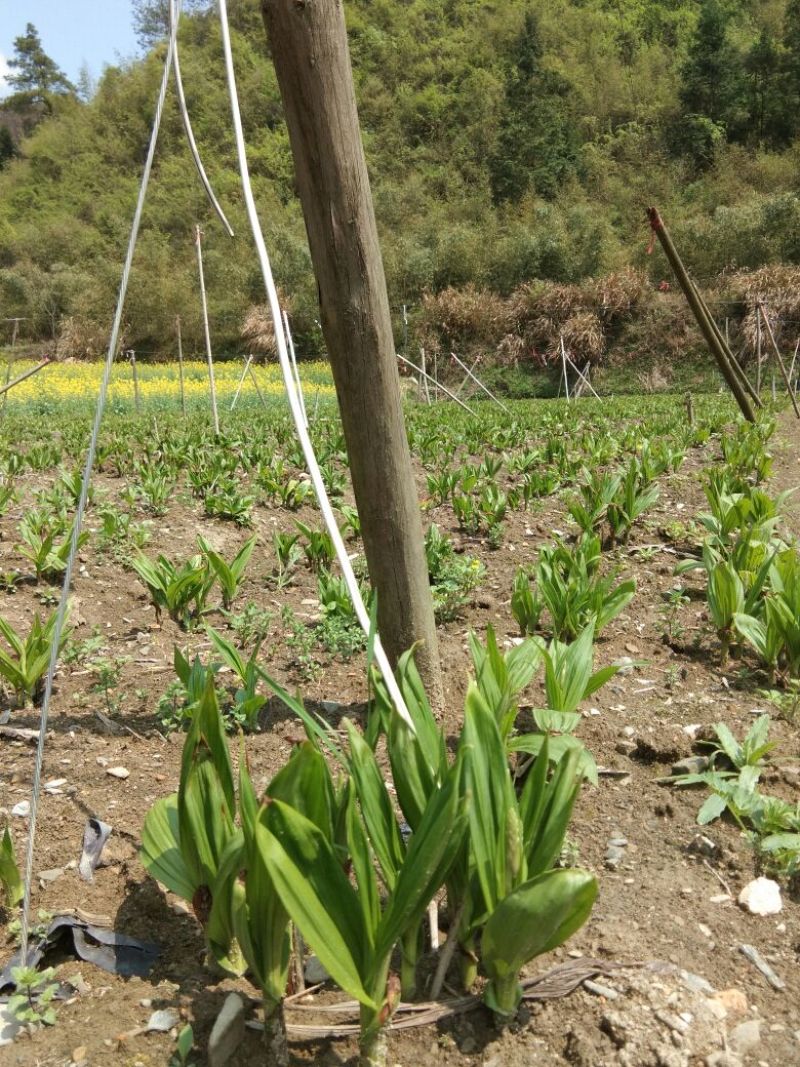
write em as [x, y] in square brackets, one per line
[777, 288]
[82, 340]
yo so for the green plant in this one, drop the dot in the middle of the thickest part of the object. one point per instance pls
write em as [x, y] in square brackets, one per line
[183, 1047]
[32, 1001]
[288, 554]
[318, 547]
[453, 577]
[183, 591]
[41, 547]
[10, 877]
[251, 624]
[300, 640]
[230, 575]
[25, 666]
[633, 497]
[247, 702]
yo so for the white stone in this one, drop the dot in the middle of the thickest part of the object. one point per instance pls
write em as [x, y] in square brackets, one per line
[762, 896]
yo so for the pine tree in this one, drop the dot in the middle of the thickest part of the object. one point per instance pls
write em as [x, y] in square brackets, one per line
[38, 76]
[538, 140]
[769, 118]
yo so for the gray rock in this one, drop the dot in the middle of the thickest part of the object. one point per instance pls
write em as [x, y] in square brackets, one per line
[228, 1031]
[723, 1059]
[696, 983]
[690, 765]
[745, 1037]
[613, 857]
[314, 971]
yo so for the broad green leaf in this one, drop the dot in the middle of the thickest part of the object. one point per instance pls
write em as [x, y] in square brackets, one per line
[161, 852]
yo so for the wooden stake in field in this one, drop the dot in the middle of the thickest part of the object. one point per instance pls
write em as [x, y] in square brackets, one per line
[209, 356]
[16, 320]
[758, 352]
[180, 364]
[247, 363]
[787, 381]
[423, 382]
[132, 359]
[312, 62]
[479, 383]
[712, 338]
[564, 367]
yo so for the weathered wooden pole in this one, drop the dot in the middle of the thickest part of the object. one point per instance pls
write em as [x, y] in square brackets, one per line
[312, 62]
[136, 402]
[707, 328]
[26, 374]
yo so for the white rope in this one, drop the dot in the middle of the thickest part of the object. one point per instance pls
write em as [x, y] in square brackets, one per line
[286, 368]
[293, 357]
[174, 14]
[79, 512]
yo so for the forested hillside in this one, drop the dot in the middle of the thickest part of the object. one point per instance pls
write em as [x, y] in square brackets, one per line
[507, 141]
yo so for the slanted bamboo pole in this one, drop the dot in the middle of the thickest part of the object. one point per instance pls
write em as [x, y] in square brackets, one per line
[480, 384]
[27, 374]
[247, 363]
[779, 358]
[737, 368]
[136, 401]
[703, 321]
[564, 366]
[442, 387]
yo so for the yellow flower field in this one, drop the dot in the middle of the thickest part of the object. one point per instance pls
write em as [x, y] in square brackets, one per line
[159, 383]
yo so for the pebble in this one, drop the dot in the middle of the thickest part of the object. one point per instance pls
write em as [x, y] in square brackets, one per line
[751, 953]
[689, 765]
[118, 772]
[600, 990]
[314, 971]
[23, 809]
[79, 1055]
[762, 896]
[228, 1031]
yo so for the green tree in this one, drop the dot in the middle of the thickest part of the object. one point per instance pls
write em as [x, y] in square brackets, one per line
[538, 141]
[769, 117]
[7, 147]
[712, 80]
[37, 76]
[791, 62]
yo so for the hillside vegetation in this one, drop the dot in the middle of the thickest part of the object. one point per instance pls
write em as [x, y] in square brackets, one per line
[506, 142]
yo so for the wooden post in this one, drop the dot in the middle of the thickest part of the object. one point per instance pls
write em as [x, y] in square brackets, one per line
[312, 62]
[132, 358]
[703, 320]
[209, 356]
[758, 349]
[480, 384]
[180, 364]
[781, 364]
[690, 409]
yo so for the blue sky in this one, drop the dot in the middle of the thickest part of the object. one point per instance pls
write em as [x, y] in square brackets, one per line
[72, 31]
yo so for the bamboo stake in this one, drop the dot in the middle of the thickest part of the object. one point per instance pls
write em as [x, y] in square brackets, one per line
[258, 388]
[703, 321]
[27, 374]
[136, 401]
[794, 357]
[180, 364]
[758, 352]
[582, 374]
[465, 379]
[452, 396]
[424, 380]
[690, 409]
[745, 381]
[209, 357]
[247, 363]
[779, 358]
[480, 384]
[564, 366]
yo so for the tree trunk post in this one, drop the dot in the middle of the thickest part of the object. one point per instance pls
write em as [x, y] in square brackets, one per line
[312, 62]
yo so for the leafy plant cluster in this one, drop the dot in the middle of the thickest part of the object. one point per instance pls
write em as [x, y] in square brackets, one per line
[329, 852]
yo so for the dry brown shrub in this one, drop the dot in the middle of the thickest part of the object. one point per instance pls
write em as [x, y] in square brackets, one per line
[618, 293]
[583, 337]
[81, 340]
[258, 329]
[459, 317]
[777, 288]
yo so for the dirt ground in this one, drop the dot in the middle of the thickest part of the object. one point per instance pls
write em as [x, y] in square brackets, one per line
[670, 904]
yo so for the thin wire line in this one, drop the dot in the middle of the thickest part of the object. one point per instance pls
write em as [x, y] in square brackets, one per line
[294, 404]
[78, 520]
[174, 14]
